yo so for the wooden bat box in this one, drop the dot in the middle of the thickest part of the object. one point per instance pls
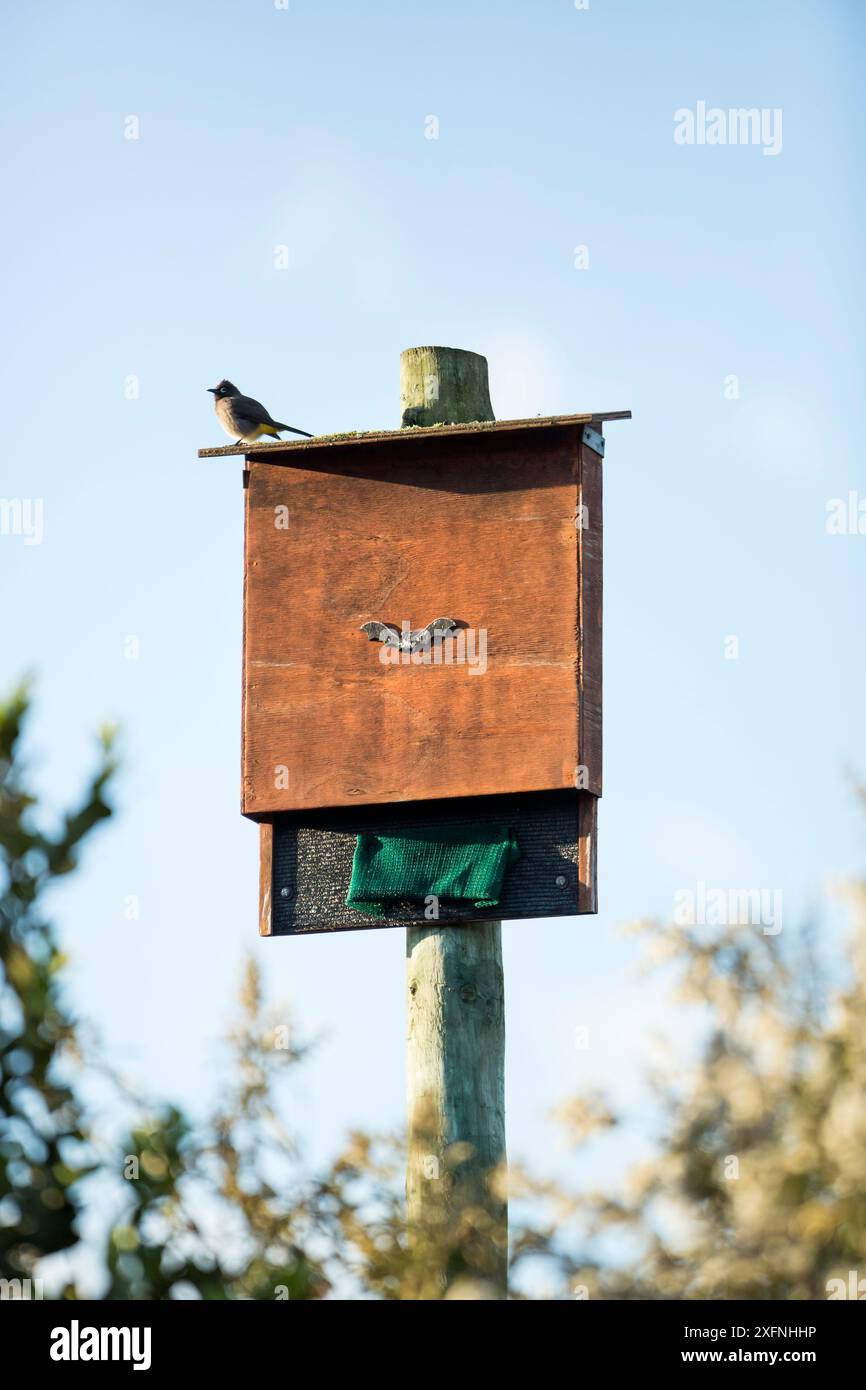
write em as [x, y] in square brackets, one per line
[495, 527]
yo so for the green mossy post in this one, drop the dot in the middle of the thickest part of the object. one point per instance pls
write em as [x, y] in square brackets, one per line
[455, 1060]
[443, 386]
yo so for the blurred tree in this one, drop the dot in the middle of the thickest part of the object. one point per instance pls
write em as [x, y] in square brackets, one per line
[222, 1211]
[43, 1140]
[164, 1171]
[756, 1186]
[754, 1191]
[757, 1189]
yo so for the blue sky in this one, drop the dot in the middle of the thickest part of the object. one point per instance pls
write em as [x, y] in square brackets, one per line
[155, 259]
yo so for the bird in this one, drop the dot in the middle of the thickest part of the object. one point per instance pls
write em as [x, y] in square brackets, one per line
[243, 418]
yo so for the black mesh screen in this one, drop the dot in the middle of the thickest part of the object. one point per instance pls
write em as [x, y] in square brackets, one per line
[312, 860]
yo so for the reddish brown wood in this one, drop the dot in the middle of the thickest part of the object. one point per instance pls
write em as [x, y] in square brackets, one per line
[589, 618]
[587, 852]
[266, 876]
[480, 528]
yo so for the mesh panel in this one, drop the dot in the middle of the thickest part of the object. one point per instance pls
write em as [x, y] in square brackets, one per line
[313, 851]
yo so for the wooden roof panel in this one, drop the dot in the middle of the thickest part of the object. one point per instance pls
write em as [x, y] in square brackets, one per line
[272, 450]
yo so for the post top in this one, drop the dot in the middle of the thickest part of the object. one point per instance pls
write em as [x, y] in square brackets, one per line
[280, 447]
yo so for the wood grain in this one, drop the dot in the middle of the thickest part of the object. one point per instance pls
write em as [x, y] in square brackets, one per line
[441, 385]
[587, 853]
[266, 876]
[479, 529]
[589, 618]
[455, 1007]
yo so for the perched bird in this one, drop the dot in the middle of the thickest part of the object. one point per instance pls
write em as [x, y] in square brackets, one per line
[245, 419]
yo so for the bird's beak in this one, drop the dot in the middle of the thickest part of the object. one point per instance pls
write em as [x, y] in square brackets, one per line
[212, 389]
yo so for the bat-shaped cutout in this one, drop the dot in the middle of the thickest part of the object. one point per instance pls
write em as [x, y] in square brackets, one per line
[407, 641]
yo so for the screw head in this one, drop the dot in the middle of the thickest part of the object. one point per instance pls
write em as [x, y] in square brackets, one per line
[561, 880]
[284, 892]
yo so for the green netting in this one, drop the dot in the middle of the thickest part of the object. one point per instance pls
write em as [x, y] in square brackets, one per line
[459, 865]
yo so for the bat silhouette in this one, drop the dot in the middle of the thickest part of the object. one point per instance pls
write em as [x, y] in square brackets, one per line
[408, 641]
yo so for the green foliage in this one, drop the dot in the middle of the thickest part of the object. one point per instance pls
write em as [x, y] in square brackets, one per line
[166, 1173]
[220, 1210]
[43, 1139]
[754, 1191]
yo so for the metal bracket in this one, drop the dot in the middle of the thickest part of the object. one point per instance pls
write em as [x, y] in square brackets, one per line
[593, 439]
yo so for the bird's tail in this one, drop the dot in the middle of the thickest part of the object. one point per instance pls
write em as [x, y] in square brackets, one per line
[291, 430]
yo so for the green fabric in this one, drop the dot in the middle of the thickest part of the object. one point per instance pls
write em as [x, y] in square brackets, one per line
[465, 865]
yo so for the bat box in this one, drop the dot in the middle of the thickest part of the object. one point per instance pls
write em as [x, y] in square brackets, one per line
[423, 651]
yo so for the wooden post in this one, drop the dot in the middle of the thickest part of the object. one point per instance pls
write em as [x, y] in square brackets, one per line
[456, 1000]
[443, 386]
